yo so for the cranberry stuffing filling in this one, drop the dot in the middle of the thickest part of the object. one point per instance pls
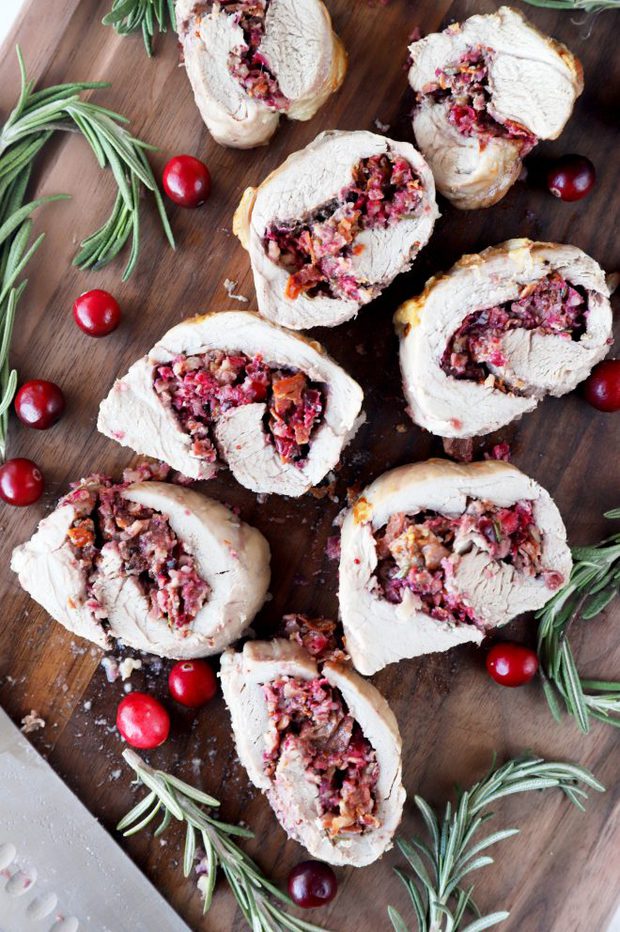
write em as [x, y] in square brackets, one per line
[246, 63]
[318, 636]
[318, 251]
[464, 86]
[311, 717]
[146, 544]
[199, 389]
[416, 553]
[549, 306]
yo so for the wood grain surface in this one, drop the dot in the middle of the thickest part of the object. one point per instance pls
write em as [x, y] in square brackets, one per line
[560, 874]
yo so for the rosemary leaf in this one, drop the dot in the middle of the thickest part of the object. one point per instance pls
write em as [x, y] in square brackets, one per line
[33, 120]
[148, 16]
[594, 583]
[249, 885]
[438, 899]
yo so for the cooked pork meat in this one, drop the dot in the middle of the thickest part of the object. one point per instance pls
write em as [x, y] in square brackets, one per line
[484, 343]
[436, 554]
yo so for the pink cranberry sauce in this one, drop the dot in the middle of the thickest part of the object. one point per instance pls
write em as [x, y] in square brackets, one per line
[146, 544]
[549, 306]
[201, 388]
[310, 718]
[464, 86]
[246, 62]
[318, 251]
[416, 553]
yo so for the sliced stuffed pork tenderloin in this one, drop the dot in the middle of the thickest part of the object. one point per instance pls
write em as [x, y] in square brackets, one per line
[251, 61]
[485, 342]
[487, 91]
[436, 554]
[321, 742]
[232, 388]
[162, 568]
[334, 225]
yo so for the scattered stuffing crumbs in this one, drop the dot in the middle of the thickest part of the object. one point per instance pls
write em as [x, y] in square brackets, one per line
[401, 428]
[382, 127]
[127, 666]
[230, 291]
[360, 349]
[501, 451]
[32, 722]
[332, 548]
[87, 705]
[115, 774]
[110, 665]
[460, 449]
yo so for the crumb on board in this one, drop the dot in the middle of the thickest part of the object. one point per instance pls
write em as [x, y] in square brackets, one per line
[127, 666]
[230, 286]
[110, 666]
[401, 428]
[32, 722]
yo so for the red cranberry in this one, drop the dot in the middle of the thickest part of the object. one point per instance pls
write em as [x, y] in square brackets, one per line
[311, 884]
[21, 482]
[187, 181]
[602, 387]
[142, 721]
[571, 177]
[39, 404]
[97, 313]
[192, 683]
[511, 664]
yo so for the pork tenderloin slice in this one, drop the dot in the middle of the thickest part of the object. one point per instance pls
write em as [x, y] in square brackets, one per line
[379, 632]
[134, 415]
[303, 53]
[231, 556]
[306, 180]
[232, 117]
[292, 796]
[533, 81]
[468, 175]
[537, 364]
[49, 572]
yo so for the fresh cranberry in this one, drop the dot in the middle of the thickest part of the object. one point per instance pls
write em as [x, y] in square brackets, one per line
[311, 884]
[97, 313]
[192, 683]
[602, 387]
[21, 482]
[511, 664]
[142, 721]
[571, 177]
[39, 404]
[187, 181]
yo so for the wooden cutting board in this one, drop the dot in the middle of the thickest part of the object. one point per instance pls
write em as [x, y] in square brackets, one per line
[560, 874]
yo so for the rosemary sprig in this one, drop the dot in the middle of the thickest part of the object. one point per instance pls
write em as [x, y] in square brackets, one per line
[127, 16]
[440, 863]
[593, 583]
[34, 119]
[173, 798]
[589, 6]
